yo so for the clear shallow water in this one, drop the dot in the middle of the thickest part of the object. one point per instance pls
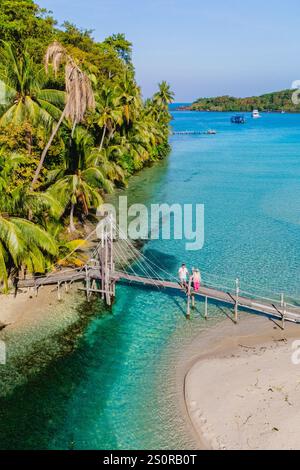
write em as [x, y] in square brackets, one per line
[115, 390]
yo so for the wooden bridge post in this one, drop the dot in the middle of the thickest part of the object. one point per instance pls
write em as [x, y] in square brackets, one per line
[188, 311]
[87, 281]
[58, 291]
[283, 315]
[206, 308]
[106, 260]
[236, 306]
[188, 308]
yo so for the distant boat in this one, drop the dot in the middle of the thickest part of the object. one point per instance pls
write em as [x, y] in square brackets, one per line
[211, 132]
[238, 119]
[255, 114]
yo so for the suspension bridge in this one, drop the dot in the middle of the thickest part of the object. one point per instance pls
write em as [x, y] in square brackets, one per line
[116, 259]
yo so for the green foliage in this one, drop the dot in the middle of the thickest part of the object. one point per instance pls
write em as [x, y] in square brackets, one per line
[84, 161]
[277, 101]
[25, 24]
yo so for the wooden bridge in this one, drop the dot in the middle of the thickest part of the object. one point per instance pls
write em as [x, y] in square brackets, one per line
[108, 265]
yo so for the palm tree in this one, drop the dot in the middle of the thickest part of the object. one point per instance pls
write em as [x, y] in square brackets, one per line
[164, 96]
[79, 180]
[107, 161]
[23, 244]
[79, 189]
[129, 96]
[17, 199]
[27, 99]
[79, 94]
[109, 111]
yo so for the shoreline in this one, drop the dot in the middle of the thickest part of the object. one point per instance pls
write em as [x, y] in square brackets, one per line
[39, 330]
[241, 111]
[225, 409]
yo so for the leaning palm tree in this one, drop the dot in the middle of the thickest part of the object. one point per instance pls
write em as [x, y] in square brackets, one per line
[79, 94]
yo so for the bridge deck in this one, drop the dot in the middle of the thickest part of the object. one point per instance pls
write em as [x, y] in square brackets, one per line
[256, 305]
[291, 314]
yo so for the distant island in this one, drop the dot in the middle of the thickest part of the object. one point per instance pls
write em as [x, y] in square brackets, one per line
[269, 102]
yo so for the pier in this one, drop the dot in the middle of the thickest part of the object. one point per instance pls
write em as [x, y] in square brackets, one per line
[209, 132]
[108, 266]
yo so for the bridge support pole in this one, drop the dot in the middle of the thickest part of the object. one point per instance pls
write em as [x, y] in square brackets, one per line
[188, 308]
[236, 306]
[58, 291]
[88, 284]
[283, 315]
[106, 260]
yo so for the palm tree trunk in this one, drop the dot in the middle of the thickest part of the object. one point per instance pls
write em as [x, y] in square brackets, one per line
[45, 151]
[29, 141]
[72, 227]
[103, 136]
[111, 134]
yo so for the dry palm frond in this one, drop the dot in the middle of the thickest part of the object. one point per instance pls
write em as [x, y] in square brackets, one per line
[80, 95]
[55, 54]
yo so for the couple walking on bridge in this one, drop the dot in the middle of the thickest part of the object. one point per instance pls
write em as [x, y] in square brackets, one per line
[186, 279]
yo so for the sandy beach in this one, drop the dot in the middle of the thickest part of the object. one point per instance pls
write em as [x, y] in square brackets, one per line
[37, 329]
[241, 386]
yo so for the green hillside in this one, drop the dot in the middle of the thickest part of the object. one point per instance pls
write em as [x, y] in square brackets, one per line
[277, 101]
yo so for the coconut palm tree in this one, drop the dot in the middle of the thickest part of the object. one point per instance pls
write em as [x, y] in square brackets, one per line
[17, 199]
[78, 182]
[129, 97]
[109, 112]
[79, 94]
[23, 244]
[79, 189]
[164, 96]
[107, 161]
[26, 98]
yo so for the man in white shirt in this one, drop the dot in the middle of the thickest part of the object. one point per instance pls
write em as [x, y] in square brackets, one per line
[183, 275]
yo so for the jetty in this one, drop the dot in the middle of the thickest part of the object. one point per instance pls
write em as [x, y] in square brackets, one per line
[108, 266]
[209, 132]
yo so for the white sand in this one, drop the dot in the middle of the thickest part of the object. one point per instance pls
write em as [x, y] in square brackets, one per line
[13, 308]
[244, 391]
[28, 319]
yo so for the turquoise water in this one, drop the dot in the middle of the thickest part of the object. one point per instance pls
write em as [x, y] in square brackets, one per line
[116, 390]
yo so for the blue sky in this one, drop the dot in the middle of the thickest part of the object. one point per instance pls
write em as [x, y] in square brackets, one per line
[202, 47]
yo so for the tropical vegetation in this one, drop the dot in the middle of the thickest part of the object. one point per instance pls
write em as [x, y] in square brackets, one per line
[73, 126]
[270, 102]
